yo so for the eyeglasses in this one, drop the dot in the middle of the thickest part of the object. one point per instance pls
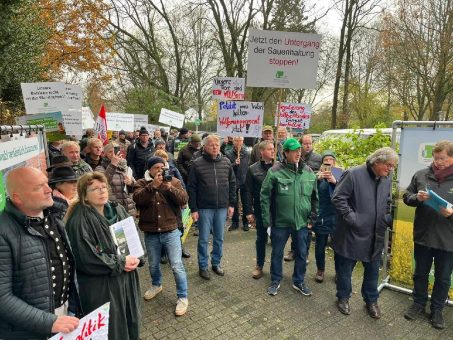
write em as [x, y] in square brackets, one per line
[390, 166]
[98, 189]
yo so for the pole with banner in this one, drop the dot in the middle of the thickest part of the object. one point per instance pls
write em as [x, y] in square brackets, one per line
[280, 91]
[100, 126]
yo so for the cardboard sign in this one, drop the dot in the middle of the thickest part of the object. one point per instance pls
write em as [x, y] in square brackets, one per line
[171, 118]
[44, 97]
[228, 88]
[120, 121]
[240, 119]
[282, 59]
[72, 116]
[295, 115]
[93, 326]
[139, 121]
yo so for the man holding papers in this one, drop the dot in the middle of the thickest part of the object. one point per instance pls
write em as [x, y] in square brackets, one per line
[433, 232]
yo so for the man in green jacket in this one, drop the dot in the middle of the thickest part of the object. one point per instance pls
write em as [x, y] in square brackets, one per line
[289, 201]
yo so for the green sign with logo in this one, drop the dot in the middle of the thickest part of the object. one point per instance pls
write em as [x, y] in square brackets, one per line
[197, 121]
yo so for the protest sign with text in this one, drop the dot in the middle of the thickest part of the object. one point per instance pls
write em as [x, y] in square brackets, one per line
[139, 121]
[240, 119]
[52, 121]
[295, 115]
[87, 118]
[171, 118]
[93, 326]
[44, 97]
[120, 121]
[72, 116]
[228, 88]
[282, 59]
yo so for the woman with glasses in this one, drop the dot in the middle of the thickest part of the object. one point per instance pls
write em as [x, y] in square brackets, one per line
[103, 275]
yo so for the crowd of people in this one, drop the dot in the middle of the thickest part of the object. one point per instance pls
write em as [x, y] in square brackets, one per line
[58, 260]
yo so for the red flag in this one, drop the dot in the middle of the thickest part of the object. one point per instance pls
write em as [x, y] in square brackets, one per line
[100, 126]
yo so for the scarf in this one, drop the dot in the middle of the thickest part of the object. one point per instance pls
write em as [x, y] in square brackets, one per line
[442, 174]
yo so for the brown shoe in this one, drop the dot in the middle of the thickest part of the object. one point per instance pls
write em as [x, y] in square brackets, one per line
[373, 310]
[343, 306]
[257, 273]
[289, 257]
[319, 276]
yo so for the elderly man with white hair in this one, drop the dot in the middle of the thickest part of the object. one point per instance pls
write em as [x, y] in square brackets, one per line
[362, 199]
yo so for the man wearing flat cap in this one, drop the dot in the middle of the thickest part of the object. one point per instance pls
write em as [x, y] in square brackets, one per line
[267, 134]
[139, 153]
[289, 202]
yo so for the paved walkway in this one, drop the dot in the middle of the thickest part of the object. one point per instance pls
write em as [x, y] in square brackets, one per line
[237, 307]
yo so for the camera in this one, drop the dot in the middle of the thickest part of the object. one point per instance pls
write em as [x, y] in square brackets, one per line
[166, 175]
[326, 168]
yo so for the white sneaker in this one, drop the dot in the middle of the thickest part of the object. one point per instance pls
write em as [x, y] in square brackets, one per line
[152, 292]
[181, 306]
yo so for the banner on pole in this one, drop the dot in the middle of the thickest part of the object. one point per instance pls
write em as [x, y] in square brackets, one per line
[282, 59]
[295, 115]
[100, 126]
[228, 88]
[240, 119]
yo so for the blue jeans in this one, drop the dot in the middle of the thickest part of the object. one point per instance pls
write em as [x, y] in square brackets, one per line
[261, 241]
[345, 267]
[172, 243]
[210, 220]
[279, 237]
[443, 266]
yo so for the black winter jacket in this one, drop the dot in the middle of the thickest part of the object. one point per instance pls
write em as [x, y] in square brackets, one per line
[240, 171]
[363, 203]
[212, 184]
[254, 179]
[137, 156]
[431, 229]
[26, 293]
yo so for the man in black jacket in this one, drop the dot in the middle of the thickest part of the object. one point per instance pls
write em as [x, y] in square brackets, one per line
[252, 203]
[433, 234]
[362, 200]
[212, 195]
[36, 263]
[239, 158]
[139, 153]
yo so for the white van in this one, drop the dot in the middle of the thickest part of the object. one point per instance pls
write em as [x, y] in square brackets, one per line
[362, 132]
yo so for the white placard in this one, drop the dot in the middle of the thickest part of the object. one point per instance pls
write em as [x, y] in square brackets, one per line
[240, 119]
[171, 118]
[72, 116]
[140, 120]
[87, 118]
[93, 326]
[17, 151]
[228, 88]
[282, 59]
[126, 237]
[44, 97]
[295, 115]
[120, 121]
[153, 127]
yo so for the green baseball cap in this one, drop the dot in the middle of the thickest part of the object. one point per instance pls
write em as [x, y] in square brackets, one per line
[291, 144]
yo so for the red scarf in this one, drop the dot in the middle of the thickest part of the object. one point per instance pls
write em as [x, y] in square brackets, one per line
[442, 174]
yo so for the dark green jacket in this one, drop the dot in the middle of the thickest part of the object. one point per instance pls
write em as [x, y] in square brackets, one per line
[100, 270]
[289, 198]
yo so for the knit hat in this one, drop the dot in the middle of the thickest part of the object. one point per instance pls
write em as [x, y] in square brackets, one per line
[267, 128]
[195, 138]
[328, 153]
[122, 132]
[291, 144]
[183, 131]
[143, 131]
[153, 161]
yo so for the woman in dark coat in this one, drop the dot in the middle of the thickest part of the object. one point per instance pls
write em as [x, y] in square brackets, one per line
[103, 275]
